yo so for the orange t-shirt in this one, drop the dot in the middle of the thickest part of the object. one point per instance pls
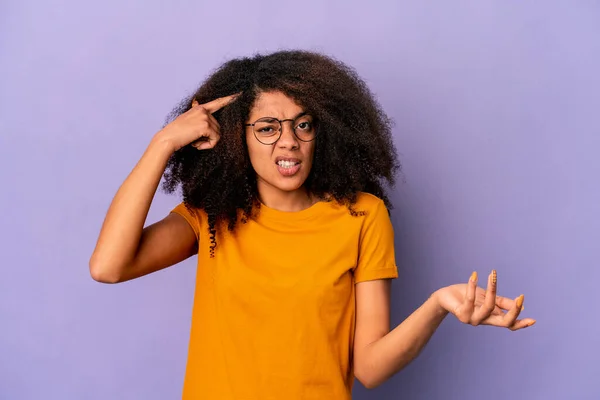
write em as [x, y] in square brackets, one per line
[274, 310]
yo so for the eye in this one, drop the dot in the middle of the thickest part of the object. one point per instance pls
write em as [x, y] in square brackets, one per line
[304, 125]
[266, 127]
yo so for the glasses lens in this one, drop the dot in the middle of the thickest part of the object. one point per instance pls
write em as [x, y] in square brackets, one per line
[304, 128]
[267, 130]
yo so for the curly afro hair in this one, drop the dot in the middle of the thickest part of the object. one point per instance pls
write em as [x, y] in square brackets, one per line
[354, 150]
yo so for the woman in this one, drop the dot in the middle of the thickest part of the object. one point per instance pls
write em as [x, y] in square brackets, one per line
[281, 159]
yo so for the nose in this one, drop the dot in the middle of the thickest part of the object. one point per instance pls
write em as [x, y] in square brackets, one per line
[288, 138]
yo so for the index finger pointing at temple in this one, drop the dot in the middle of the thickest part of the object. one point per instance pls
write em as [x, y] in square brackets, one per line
[219, 103]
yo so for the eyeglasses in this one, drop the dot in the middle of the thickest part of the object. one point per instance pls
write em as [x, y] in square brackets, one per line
[268, 130]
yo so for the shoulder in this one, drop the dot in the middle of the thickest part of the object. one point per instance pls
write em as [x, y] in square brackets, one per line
[368, 202]
[196, 217]
[188, 210]
[374, 212]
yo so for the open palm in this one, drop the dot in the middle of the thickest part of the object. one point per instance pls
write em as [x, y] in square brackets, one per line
[477, 306]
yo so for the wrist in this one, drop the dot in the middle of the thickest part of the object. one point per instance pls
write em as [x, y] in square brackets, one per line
[437, 304]
[162, 143]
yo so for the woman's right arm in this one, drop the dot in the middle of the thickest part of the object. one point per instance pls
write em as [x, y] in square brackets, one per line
[125, 248]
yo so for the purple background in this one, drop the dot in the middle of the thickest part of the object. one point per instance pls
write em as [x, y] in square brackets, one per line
[496, 107]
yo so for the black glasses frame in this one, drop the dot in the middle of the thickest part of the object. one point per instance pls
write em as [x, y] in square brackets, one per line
[281, 121]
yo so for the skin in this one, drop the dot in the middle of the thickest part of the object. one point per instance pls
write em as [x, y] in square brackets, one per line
[285, 193]
[127, 250]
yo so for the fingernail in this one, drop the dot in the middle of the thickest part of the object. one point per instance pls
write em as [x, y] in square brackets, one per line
[520, 301]
[494, 276]
[473, 276]
[531, 323]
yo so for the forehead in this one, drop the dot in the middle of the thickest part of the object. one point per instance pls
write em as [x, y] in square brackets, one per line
[274, 104]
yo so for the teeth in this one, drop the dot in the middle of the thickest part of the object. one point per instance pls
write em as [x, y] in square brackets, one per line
[286, 164]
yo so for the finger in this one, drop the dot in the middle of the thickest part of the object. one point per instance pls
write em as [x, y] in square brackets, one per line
[206, 142]
[471, 289]
[196, 143]
[499, 321]
[210, 116]
[489, 304]
[214, 122]
[498, 311]
[206, 145]
[219, 103]
[206, 130]
[213, 126]
[504, 302]
[512, 314]
[465, 311]
[522, 323]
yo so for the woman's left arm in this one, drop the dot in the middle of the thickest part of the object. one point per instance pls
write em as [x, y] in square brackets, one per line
[380, 353]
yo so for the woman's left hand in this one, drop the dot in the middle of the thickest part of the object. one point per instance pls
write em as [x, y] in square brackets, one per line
[476, 306]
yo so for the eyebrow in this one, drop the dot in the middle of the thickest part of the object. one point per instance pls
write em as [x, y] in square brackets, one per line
[303, 113]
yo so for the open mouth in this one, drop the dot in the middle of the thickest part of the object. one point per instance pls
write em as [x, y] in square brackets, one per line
[287, 164]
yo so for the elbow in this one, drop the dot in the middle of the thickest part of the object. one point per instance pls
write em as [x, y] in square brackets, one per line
[368, 383]
[100, 273]
[366, 377]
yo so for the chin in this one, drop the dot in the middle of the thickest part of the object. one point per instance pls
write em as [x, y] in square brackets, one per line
[290, 184]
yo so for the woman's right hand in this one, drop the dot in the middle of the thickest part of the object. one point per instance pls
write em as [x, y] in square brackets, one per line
[197, 126]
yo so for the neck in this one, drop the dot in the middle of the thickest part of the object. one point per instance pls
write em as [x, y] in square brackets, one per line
[292, 201]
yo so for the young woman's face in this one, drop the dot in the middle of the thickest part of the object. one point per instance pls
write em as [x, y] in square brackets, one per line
[285, 165]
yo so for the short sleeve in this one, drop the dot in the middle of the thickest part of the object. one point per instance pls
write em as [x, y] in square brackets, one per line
[376, 256]
[190, 216]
